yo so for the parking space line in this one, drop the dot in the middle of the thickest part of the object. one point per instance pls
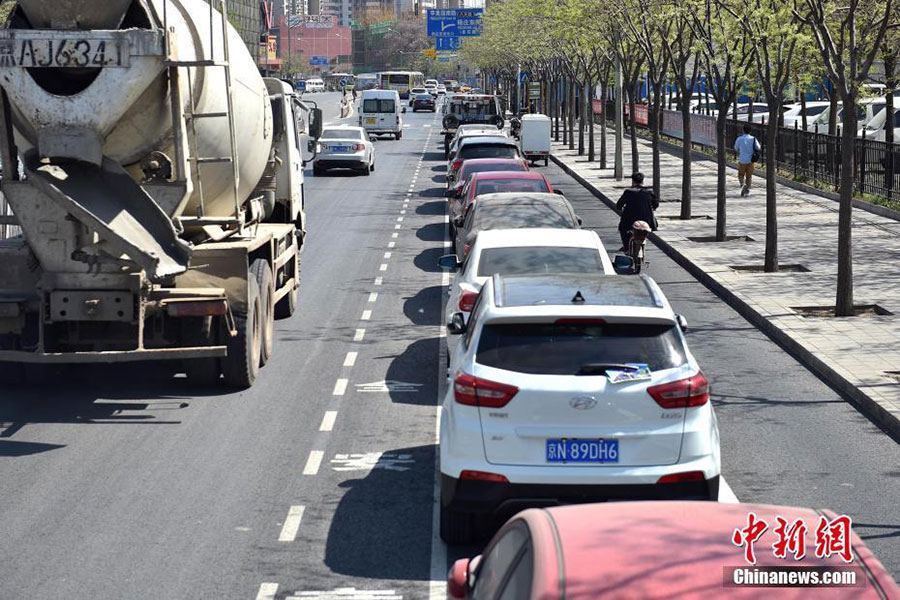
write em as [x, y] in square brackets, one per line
[359, 335]
[291, 524]
[313, 462]
[328, 420]
[340, 387]
[267, 591]
[350, 360]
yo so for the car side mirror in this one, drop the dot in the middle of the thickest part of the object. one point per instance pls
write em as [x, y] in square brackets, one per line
[457, 324]
[449, 261]
[623, 265]
[458, 579]
[682, 323]
[315, 123]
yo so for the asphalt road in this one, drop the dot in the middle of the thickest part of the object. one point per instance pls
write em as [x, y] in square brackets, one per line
[126, 483]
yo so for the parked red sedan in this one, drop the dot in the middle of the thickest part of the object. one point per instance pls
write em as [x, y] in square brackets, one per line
[659, 550]
[482, 165]
[492, 182]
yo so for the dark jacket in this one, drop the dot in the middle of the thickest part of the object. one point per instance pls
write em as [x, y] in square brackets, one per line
[637, 204]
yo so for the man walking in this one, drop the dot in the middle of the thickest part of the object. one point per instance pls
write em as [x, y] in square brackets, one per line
[747, 148]
[637, 204]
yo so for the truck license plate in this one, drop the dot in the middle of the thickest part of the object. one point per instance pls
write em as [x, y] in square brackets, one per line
[63, 53]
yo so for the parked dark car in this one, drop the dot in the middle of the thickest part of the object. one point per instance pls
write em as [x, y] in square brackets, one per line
[423, 102]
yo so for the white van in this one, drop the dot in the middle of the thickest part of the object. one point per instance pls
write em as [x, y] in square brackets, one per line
[380, 112]
[315, 84]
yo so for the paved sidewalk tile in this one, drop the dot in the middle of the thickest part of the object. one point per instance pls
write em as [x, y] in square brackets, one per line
[855, 354]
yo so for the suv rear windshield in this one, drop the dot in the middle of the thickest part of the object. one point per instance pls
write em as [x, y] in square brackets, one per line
[492, 186]
[533, 260]
[488, 151]
[374, 105]
[571, 349]
[474, 107]
[468, 168]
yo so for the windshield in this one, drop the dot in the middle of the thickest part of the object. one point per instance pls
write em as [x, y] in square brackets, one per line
[487, 151]
[341, 134]
[491, 186]
[533, 260]
[557, 349]
[474, 108]
[399, 79]
[373, 105]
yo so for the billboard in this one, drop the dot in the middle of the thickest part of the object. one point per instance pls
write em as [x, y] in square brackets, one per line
[311, 21]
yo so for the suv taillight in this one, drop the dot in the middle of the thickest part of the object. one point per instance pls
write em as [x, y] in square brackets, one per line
[467, 301]
[474, 391]
[456, 165]
[693, 391]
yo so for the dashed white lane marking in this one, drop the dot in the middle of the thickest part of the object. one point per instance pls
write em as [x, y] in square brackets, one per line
[399, 219]
[402, 212]
[726, 494]
[373, 296]
[387, 254]
[350, 360]
[359, 335]
[313, 462]
[394, 235]
[379, 280]
[367, 314]
[397, 226]
[291, 524]
[391, 244]
[383, 267]
[328, 420]
[340, 386]
[267, 591]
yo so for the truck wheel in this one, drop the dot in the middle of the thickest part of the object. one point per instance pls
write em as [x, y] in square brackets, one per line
[261, 270]
[457, 527]
[201, 372]
[241, 366]
[287, 305]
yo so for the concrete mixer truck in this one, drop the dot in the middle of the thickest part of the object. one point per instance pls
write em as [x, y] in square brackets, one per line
[159, 191]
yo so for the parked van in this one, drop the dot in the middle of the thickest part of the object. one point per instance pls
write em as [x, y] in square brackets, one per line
[315, 84]
[380, 112]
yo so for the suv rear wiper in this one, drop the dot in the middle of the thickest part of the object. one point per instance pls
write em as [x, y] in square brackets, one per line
[594, 368]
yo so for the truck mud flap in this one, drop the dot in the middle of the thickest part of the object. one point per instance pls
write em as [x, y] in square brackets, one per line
[107, 200]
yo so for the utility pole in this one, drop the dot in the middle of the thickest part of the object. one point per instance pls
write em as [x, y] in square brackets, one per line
[620, 123]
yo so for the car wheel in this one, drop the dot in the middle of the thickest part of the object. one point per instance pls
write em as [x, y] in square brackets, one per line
[457, 527]
[372, 166]
[546, 162]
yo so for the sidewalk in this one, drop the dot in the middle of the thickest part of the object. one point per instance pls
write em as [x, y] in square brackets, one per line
[859, 356]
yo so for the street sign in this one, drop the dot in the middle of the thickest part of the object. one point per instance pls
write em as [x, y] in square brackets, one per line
[468, 21]
[430, 52]
[446, 43]
[443, 59]
[318, 61]
[534, 90]
[442, 23]
[343, 83]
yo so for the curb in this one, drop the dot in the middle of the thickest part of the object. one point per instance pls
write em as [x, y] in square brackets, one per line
[859, 399]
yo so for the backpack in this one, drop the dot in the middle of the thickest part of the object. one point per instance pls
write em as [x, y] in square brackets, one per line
[756, 154]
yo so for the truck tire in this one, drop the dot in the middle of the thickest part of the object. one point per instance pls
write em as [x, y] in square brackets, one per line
[457, 527]
[262, 272]
[287, 305]
[241, 366]
[202, 372]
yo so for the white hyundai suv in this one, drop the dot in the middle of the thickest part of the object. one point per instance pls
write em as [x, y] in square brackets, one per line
[569, 389]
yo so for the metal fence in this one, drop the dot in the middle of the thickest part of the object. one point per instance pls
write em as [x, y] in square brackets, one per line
[805, 155]
[7, 230]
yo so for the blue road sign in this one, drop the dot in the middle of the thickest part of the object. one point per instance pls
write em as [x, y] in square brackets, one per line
[343, 83]
[318, 61]
[443, 59]
[468, 21]
[442, 23]
[449, 44]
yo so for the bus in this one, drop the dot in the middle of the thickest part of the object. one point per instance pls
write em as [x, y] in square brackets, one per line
[401, 81]
[333, 81]
[366, 81]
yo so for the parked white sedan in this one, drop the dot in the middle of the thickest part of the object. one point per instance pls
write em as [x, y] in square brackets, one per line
[345, 147]
[523, 252]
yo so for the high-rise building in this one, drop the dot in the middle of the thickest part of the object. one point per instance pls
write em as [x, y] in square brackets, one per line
[340, 9]
[290, 8]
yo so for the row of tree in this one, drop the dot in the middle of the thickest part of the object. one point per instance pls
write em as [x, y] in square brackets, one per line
[764, 46]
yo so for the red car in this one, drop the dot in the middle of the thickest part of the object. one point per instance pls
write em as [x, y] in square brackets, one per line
[496, 181]
[482, 165]
[654, 550]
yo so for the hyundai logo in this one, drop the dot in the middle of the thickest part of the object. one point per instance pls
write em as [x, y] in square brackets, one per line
[583, 402]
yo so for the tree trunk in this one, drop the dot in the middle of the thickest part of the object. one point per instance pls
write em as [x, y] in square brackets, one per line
[721, 175]
[556, 112]
[581, 123]
[771, 259]
[632, 130]
[566, 107]
[686, 156]
[571, 102]
[832, 111]
[890, 66]
[844, 302]
[603, 92]
[656, 126]
[590, 111]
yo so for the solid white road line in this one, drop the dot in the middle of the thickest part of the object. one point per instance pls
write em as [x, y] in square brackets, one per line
[291, 524]
[351, 359]
[328, 420]
[367, 314]
[267, 591]
[340, 386]
[726, 494]
[374, 295]
[313, 462]
[359, 335]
